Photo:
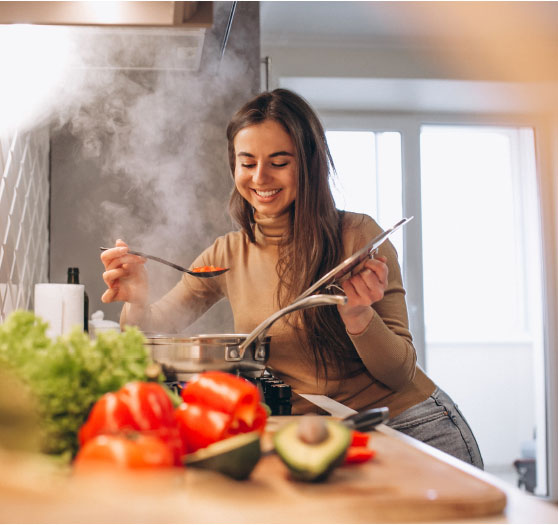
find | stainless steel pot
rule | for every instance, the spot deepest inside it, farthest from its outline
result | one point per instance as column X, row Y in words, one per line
column 182, row 357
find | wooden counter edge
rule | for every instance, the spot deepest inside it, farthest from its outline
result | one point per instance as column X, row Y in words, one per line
column 521, row 507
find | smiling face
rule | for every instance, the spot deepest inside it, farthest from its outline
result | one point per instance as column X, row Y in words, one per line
column 265, row 170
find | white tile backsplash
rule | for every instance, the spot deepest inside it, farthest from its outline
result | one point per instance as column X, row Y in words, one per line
column 24, row 216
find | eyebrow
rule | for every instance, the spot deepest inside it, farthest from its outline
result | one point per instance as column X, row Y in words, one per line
column 276, row 154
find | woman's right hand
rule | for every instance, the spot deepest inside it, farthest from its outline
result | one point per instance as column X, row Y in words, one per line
column 125, row 276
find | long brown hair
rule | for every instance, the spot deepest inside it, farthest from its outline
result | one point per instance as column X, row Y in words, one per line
column 313, row 244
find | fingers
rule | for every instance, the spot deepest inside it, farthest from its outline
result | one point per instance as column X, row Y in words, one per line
column 124, row 274
column 111, row 276
column 375, row 270
column 353, row 296
column 369, row 284
column 123, row 260
column 109, row 296
column 118, row 256
column 363, row 289
column 112, row 280
column 109, row 255
column 361, row 294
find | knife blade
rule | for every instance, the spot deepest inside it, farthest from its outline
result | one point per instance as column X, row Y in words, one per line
column 329, row 405
column 362, row 421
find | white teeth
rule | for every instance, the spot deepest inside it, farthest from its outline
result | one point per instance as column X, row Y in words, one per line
column 266, row 193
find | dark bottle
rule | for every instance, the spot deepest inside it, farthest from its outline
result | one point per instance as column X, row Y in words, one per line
column 73, row 278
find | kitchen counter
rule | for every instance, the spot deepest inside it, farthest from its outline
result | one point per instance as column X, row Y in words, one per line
column 406, row 482
column 520, row 506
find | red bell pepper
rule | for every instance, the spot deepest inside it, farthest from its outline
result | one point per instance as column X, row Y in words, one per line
column 137, row 406
column 109, row 415
column 359, row 439
column 226, row 393
column 359, row 455
column 257, row 425
column 135, row 451
column 200, row 426
column 149, row 405
column 218, row 405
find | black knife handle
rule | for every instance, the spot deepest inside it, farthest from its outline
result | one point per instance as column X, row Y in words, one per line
column 367, row 420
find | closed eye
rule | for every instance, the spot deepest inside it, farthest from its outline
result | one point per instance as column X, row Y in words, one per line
column 275, row 165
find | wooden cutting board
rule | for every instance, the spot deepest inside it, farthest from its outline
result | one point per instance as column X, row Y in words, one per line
column 402, row 484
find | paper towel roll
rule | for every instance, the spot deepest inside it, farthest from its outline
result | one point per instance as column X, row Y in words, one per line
column 61, row 305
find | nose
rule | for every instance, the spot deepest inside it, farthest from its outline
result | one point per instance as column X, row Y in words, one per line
column 260, row 174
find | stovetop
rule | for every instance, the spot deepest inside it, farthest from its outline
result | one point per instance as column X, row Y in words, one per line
column 275, row 393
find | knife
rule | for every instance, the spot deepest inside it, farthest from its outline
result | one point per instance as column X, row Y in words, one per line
column 362, row 421
column 335, row 408
column 367, row 420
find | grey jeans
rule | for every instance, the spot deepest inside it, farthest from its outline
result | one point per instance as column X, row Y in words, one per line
column 439, row 423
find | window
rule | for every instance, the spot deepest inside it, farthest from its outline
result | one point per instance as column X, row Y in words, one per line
column 482, row 284
column 368, row 166
column 475, row 269
column 475, row 263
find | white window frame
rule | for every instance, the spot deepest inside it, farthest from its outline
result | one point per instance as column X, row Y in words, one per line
column 546, row 148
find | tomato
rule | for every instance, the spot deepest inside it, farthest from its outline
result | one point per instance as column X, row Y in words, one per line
column 359, row 439
column 359, row 455
column 137, row 406
column 226, row 393
column 130, row 451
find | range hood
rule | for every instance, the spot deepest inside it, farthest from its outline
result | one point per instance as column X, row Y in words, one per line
column 100, row 13
column 123, row 35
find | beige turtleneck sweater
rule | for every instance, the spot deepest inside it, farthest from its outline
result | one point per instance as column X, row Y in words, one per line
column 382, row 367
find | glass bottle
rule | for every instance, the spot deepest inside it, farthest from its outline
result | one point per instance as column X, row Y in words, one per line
column 73, row 278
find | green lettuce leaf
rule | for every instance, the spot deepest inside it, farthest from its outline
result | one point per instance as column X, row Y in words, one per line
column 68, row 374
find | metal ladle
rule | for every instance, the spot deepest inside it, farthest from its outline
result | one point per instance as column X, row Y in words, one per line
column 176, row 266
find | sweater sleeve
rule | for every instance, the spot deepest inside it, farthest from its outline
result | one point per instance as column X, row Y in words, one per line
column 190, row 298
column 386, row 345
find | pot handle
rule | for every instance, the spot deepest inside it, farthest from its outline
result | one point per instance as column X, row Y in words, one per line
column 236, row 354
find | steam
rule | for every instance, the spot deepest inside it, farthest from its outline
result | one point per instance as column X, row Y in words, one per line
column 153, row 135
column 35, row 62
column 140, row 119
column 157, row 139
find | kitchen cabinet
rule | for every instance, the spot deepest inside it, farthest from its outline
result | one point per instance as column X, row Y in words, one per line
column 155, row 14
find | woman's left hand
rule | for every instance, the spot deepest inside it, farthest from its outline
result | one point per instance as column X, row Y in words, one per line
column 362, row 290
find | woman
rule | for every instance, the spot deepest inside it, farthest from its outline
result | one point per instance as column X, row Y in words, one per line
column 361, row 353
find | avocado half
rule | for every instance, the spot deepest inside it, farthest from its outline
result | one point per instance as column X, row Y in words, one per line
column 235, row 457
column 312, row 462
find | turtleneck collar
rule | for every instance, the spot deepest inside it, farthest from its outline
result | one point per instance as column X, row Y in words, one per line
column 270, row 230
